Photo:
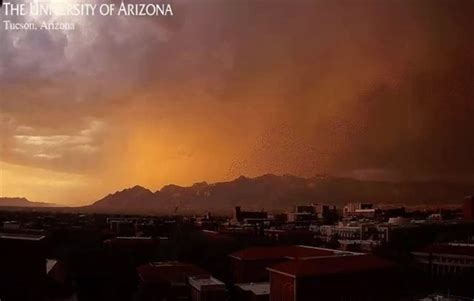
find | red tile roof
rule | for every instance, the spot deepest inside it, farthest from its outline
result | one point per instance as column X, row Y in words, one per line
column 331, row 265
column 447, row 250
column 168, row 272
column 280, row 252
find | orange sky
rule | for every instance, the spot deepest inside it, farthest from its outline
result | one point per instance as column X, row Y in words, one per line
column 376, row 89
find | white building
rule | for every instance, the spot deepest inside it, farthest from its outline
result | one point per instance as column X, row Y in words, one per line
column 207, row 288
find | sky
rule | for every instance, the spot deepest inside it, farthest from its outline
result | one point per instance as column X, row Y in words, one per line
column 367, row 89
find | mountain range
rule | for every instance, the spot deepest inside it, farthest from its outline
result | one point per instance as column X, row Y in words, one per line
column 21, row 202
column 272, row 192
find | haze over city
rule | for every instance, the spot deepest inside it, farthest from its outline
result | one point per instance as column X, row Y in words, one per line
column 381, row 90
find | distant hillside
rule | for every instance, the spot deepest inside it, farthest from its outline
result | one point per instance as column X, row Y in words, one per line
column 280, row 193
column 21, row 202
column 133, row 199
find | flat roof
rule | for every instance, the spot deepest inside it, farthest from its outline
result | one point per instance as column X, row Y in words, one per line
column 168, row 271
column 277, row 252
column 135, row 237
column 281, row 252
column 50, row 263
column 330, row 265
column 206, row 283
column 132, row 241
column 447, row 250
column 21, row 236
column 257, row 288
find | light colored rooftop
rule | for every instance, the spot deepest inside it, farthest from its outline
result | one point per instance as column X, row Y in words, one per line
column 50, row 263
column 437, row 297
column 166, row 263
column 135, row 237
column 206, row 283
column 257, row 288
column 20, row 236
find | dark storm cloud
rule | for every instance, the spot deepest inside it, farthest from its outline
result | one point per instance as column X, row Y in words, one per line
column 299, row 87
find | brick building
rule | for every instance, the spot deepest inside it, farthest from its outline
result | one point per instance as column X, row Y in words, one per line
column 250, row 265
column 340, row 278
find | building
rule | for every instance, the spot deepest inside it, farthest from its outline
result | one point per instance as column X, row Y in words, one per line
column 259, row 291
column 122, row 226
column 364, row 245
column 140, row 249
column 326, row 212
column 359, row 209
column 239, row 231
column 250, row 265
column 11, row 225
column 440, row 297
column 342, row 231
column 305, row 209
column 398, row 230
column 339, row 278
column 248, row 217
column 167, row 280
column 435, row 217
column 399, row 221
column 294, row 217
column 468, row 208
column 22, row 265
column 352, row 230
column 302, row 213
column 445, row 260
column 290, row 235
column 207, row 288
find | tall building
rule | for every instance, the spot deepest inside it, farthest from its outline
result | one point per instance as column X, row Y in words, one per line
column 22, row 265
column 359, row 209
column 248, row 216
column 468, row 208
column 302, row 213
column 305, row 209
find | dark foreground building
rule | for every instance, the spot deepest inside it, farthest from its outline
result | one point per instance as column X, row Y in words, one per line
column 468, row 208
column 250, row 264
column 167, row 280
column 359, row 277
column 23, row 267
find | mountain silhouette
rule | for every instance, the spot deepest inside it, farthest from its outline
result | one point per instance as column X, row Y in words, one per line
column 272, row 192
column 133, row 199
column 21, row 202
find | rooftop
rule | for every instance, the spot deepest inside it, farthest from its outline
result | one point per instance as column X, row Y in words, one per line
column 330, row 265
column 131, row 241
column 21, row 236
column 134, row 237
column 438, row 297
column 168, row 271
column 259, row 288
column 206, row 283
column 280, row 252
column 50, row 263
column 447, row 250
